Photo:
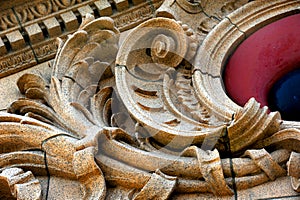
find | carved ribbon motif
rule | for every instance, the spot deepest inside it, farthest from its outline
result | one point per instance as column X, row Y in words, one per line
column 136, row 117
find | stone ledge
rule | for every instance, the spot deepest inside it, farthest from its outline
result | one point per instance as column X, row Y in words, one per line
column 32, row 28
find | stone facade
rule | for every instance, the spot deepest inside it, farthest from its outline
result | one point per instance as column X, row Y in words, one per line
column 125, row 100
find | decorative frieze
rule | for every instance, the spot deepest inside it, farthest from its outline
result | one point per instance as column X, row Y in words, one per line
column 31, row 24
column 133, row 17
column 45, row 50
column 17, row 61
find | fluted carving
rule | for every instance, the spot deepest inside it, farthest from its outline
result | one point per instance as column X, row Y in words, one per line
column 142, row 117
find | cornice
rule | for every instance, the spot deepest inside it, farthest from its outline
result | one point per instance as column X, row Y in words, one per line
column 28, row 31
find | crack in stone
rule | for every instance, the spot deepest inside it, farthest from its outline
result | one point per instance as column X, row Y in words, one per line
column 210, row 16
column 46, row 166
column 129, row 72
column 237, row 27
column 151, row 6
column 225, row 137
column 228, row 150
column 207, row 15
column 25, row 35
column 206, row 74
column 48, row 173
column 46, row 162
column 72, row 79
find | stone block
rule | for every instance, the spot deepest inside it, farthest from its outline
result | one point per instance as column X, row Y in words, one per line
column 2, row 47
column 35, row 33
column 103, row 7
column 52, row 26
column 135, row 2
column 121, row 4
column 85, row 10
column 70, row 21
column 16, row 40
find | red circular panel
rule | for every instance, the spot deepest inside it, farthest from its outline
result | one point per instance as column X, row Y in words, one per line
column 262, row 59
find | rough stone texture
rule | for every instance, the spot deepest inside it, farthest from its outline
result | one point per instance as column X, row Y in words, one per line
column 104, row 8
column 35, row 33
column 16, row 40
column 31, row 24
column 69, row 20
column 140, row 114
column 121, row 4
column 2, row 47
column 52, row 26
column 83, row 11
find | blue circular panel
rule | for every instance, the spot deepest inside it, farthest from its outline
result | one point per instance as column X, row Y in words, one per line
column 284, row 96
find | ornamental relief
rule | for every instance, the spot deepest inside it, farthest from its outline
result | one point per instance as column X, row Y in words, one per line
column 33, row 11
column 149, row 117
column 202, row 16
column 32, row 27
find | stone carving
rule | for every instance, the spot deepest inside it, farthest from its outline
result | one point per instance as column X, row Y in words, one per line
column 32, row 11
column 130, row 19
column 8, row 63
column 202, row 16
column 33, row 27
column 22, row 184
column 7, row 20
column 149, row 117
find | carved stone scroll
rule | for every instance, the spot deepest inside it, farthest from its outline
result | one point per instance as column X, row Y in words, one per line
column 149, row 119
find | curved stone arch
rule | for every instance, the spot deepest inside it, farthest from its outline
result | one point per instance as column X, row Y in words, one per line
column 222, row 41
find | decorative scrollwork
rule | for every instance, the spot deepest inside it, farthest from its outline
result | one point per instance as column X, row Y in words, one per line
column 32, row 11
column 143, row 117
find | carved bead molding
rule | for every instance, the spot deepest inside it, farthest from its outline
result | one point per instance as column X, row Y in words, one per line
column 148, row 119
column 28, row 30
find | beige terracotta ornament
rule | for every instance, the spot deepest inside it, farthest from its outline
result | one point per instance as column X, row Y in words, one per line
column 148, row 119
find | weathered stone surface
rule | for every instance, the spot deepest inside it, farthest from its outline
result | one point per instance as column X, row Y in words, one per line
column 16, row 40
column 104, row 8
column 13, row 93
column 38, row 21
column 121, row 4
column 83, row 11
column 140, row 114
column 52, row 26
column 70, row 21
column 35, row 33
column 2, row 47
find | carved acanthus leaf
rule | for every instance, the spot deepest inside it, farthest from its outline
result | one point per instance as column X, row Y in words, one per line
column 73, row 101
column 79, row 65
column 165, row 107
